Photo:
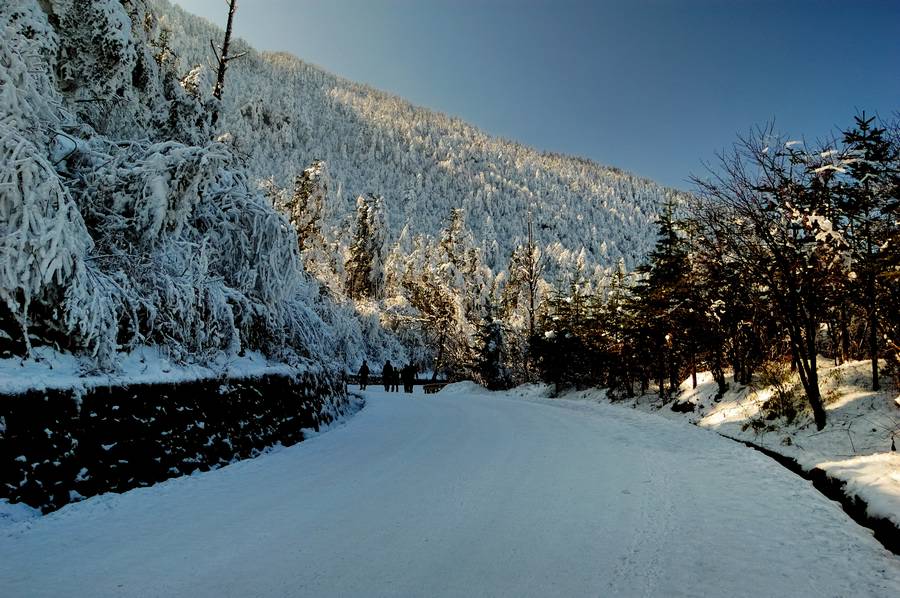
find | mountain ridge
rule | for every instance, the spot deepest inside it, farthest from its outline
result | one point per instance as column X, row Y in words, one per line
column 424, row 162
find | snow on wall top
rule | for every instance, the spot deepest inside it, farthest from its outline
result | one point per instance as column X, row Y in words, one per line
column 48, row 369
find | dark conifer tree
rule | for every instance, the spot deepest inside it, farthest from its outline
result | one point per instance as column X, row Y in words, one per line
column 365, row 266
column 874, row 183
column 489, row 357
column 662, row 298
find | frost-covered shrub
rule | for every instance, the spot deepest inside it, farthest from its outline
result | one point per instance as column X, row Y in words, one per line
column 115, row 70
column 29, row 100
column 43, row 238
column 42, row 234
column 208, row 265
column 96, row 53
column 116, row 229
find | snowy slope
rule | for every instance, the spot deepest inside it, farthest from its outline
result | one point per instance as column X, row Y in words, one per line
column 283, row 113
column 463, row 494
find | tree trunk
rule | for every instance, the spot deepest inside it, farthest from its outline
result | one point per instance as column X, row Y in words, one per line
column 804, row 357
column 872, row 305
column 833, row 336
column 440, row 356
column 694, row 371
column 223, row 61
column 845, row 333
column 718, row 374
column 873, row 330
column 661, row 375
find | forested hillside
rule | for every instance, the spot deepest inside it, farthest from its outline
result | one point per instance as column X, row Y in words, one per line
column 293, row 213
column 283, row 113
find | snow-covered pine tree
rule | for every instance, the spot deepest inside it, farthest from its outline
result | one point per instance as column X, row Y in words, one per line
column 366, row 265
column 378, row 229
column 306, row 205
column 490, row 361
column 359, row 264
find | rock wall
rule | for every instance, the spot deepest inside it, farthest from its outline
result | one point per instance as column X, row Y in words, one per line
column 58, row 446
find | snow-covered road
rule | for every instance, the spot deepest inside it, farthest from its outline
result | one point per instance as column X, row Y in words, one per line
column 458, row 494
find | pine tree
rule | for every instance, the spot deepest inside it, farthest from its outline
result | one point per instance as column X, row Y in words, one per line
column 526, row 268
column 453, row 244
column 359, row 265
column 378, row 229
column 489, row 357
column 663, row 296
column 306, row 205
column 872, row 165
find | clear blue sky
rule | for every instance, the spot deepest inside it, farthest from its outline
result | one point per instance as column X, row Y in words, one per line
column 652, row 86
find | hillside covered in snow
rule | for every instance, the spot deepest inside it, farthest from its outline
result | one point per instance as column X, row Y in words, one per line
column 284, row 113
column 302, row 216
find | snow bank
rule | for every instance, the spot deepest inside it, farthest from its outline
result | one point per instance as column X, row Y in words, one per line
column 875, row 479
column 16, row 514
column 49, row 369
column 466, row 387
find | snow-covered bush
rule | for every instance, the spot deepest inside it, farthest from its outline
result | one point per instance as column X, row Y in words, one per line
column 116, row 231
column 43, row 238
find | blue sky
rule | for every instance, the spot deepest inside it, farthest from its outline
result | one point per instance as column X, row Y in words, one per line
column 652, row 86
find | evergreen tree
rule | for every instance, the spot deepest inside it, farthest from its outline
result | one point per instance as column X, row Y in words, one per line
column 365, row 266
column 521, row 295
column 561, row 354
column 378, row 228
column 663, row 297
column 874, row 183
column 306, row 206
column 489, row 357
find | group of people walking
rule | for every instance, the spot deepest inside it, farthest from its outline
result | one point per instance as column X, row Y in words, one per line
column 390, row 376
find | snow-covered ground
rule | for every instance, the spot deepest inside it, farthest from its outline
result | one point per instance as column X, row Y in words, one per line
column 457, row 494
column 855, row 447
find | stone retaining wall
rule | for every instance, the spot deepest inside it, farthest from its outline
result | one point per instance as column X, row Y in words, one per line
column 57, row 446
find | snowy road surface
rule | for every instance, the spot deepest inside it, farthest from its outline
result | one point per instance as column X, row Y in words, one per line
column 464, row 495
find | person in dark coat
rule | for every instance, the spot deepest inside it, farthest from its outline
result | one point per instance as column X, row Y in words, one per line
column 409, row 377
column 364, row 375
column 387, row 375
column 395, row 381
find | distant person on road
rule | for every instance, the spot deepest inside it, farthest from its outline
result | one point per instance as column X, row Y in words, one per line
column 364, row 375
column 387, row 375
column 395, row 381
column 409, row 377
